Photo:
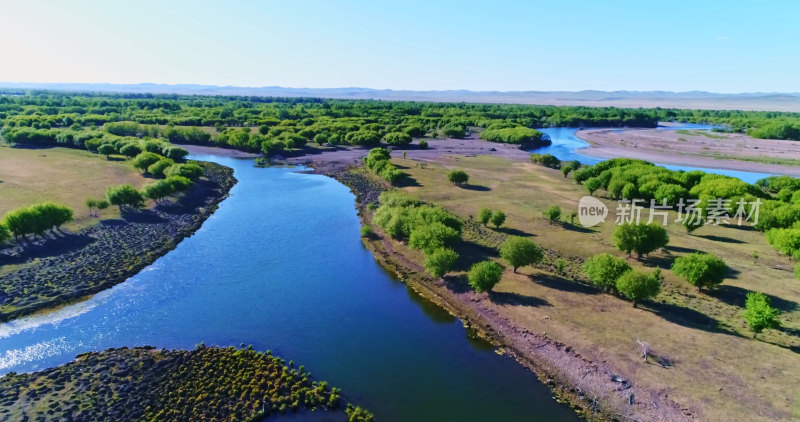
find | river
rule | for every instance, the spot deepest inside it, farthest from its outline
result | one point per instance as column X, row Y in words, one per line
column 281, row 266
column 566, row 147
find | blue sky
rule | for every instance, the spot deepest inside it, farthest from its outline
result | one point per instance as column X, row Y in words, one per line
column 719, row 46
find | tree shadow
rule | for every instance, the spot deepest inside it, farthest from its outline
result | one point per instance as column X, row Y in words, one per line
column 44, row 248
column 407, row 181
column 516, row 299
column 457, row 284
column 576, row 228
column 721, row 239
column 515, row 232
column 736, row 296
column 141, row 216
column 563, row 284
column 686, row 317
column 472, row 253
column 476, row 188
column 680, row 249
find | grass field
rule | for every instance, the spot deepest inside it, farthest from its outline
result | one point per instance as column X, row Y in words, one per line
column 63, row 175
column 719, row 369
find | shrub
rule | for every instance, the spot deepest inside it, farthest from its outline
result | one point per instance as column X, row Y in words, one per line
column 458, row 177
column 106, row 149
column 553, row 214
column 397, row 138
column 145, row 160
column 484, row 215
column 125, row 196
column 423, row 144
column 440, row 261
column 5, row 234
column 36, row 219
column 498, row 218
column 484, row 275
column 518, row 252
column 758, row 313
column 157, row 169
column 158, row 190
column 130, row 150
column 366, row 231
column 178, row 183
column 432, row 236
column 638, row 285
column 700, row 269
column 546, row 160
column 519, row 135
column 692, row 224
column 174, row 152
column 189, row 171
column 604, row 269
column 378, row 160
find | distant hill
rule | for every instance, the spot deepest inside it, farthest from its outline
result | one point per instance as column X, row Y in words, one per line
column 647, row 99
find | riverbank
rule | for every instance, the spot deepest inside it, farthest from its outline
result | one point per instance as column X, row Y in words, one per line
column 582, row 342
column 594, row 390
column 144, row 383
column 75, row 265
column 694, row 148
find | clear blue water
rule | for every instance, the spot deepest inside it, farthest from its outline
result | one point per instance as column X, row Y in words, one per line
column 566, row 147
column 281, row 266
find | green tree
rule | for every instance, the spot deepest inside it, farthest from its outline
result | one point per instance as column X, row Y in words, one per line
column 159, row 190
column 189, row 171
column 518, row 252
column 572, row 216
column 553, row 214
column 157, row 169
column 21, row 222
column 638, row 285
column 430, row 237
column 397, row 138
column 52, row 215
column 700, row 269
column 592, row 184
column 440, row 261
column 145, row 160
column 125, row 196
column 91, row 203
column 107, row 150
column 174, row 152
column 484, row 275
column 604, row 269
column 458, row 177
column 640, row 238
column 692, row 224
column 130, row 150
column 758, row 313
column 498, row 218
column 484, row 216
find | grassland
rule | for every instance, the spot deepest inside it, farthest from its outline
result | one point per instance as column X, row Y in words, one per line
column 63, row 175
column 720, row 372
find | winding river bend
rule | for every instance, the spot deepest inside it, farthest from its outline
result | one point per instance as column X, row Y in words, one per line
column 281, row 266
column 567, row 147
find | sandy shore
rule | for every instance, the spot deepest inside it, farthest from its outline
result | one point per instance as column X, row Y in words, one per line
column 714, row 150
